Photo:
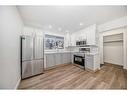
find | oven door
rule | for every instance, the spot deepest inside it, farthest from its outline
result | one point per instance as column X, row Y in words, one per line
column 79, row 60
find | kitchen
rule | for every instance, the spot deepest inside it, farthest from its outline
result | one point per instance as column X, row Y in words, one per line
column 73, row 50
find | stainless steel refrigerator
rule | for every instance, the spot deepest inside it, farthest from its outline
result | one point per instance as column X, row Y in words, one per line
column 32, row 56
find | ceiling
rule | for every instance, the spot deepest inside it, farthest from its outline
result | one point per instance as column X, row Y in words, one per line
column 69, row 18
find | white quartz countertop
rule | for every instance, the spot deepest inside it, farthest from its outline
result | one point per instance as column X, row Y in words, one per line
column 94, row 53
column 58, row 52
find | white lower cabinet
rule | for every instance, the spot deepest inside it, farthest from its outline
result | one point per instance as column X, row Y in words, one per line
column 66, row 58
column 89, row 61
column 54, row 59
column 50, row 60
column 92, row 62
column 58, row 58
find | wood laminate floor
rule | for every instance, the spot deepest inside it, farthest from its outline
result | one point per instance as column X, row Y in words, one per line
column 72, row 77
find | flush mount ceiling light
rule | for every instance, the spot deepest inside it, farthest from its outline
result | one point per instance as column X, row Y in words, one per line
column 67, row 31
column 59, row 29
column 80, row 23
column 50, row 26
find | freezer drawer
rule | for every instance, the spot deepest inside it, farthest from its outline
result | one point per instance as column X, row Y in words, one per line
column 26, row 69
column 37, row 67
column 31, row 68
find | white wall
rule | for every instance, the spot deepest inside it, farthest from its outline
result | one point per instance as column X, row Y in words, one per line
column 110, row 28
column 117, row 47
column 10, row 29
column 55, row 33
column 114, row 24
column 31, row 31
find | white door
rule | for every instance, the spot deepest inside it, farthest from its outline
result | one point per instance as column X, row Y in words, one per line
column 26, row 69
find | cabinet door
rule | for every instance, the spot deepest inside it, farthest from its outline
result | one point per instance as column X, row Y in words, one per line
column 64, row 58
column 72, row 58
column 26, row 69
column 67, row 40
column 82, row 35
column 73, row 40
column 91, row 35
column 50, row 60
column 89, row 61
column 37, row 66
column 58, row 59
column 96, row 62
column 68, row 58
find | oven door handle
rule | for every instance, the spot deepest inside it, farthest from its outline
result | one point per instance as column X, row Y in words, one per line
column 78, row 56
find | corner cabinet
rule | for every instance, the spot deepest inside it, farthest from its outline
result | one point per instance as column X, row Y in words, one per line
column 92, row 62
column 67, row 39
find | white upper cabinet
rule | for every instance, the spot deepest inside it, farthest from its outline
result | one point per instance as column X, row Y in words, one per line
column 89, row 34
column 67, row 39
column 73, row 39
column 81, row 35
column 92, row 35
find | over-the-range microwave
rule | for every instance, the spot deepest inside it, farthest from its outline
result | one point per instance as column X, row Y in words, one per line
column 81, row 43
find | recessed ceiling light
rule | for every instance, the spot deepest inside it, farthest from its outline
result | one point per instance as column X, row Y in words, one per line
column 59, row 29
column 81, row 24
column 50, row 26
column 67, row 31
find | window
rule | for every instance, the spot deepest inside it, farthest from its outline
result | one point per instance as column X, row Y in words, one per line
column 54, row 42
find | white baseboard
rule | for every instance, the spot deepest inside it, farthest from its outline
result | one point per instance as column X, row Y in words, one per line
column 17, row 84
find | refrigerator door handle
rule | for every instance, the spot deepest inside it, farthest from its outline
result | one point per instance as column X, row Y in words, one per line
column 34, row 48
